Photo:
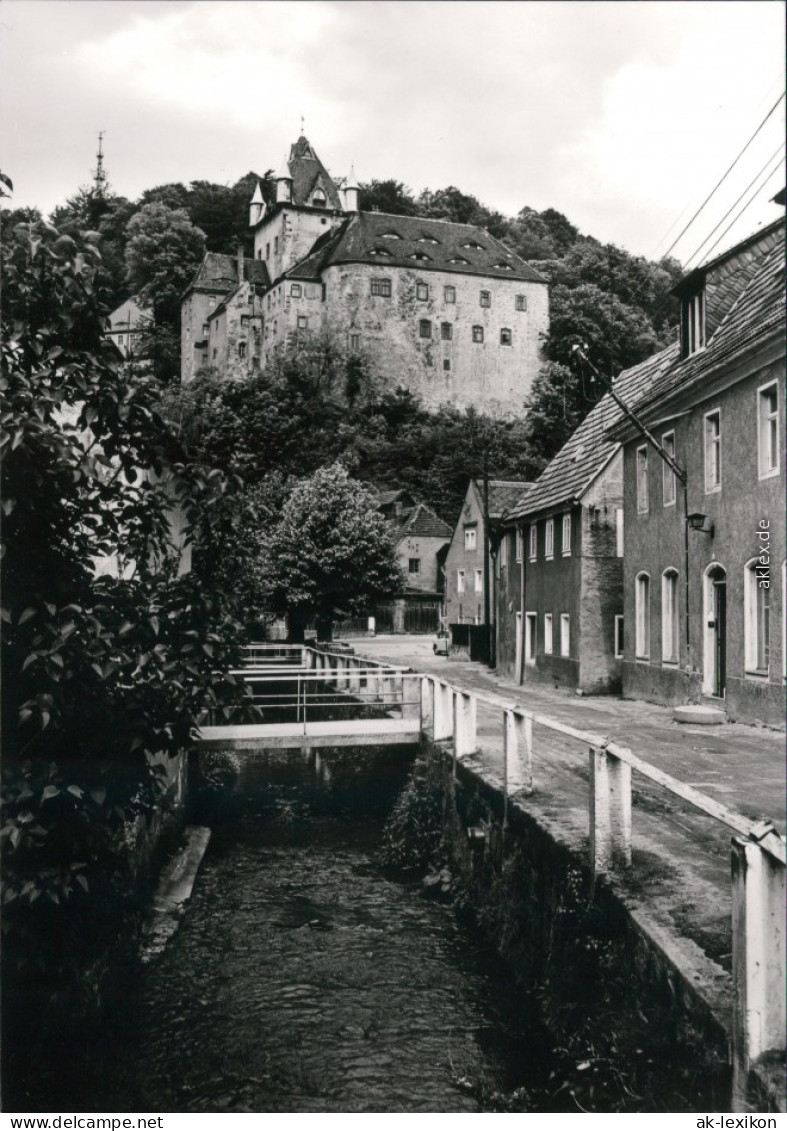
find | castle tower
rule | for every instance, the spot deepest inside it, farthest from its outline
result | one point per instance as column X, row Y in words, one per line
column 284, row 184
column 351, row 193
column 256, row 207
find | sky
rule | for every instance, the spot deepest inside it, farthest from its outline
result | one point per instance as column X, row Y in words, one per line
column 621, row 115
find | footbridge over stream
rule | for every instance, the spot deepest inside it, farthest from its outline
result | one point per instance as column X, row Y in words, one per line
column 312, row 697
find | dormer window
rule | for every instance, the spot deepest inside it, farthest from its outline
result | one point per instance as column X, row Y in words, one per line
column 318, row 198
column 426, row 239
column 458, row 259
column 692, row 326
column 503, row 267
column 383, row 251
column 419, row 255
column 474, row 245
column 391, row 236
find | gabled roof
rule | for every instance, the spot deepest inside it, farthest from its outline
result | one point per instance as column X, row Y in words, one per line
column 424, row 523
column 308, row 172
column 388, row 498
column 503, row 493
column 758, row 313
column 584, row 455
column 416, row 242
column 219, row 273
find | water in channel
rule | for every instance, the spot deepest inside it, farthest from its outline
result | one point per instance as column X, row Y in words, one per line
column 305, row 979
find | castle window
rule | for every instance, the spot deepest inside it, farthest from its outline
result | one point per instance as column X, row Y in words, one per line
column 446, row 331
column 355, row 341
column 449, row 294
column 478, row 333
column 276, row 245
column 422, row 291
column 303, row 322
column 323, row 292
column 295, row 290
column 485, row 298
column 244, row 319
column 241, row 349
column 505, row 337
column 425, row 328
column 215, row 353
column 267, row 250
column 520, row 302
column 206, row 327
column 381, row 287
column 446, row 364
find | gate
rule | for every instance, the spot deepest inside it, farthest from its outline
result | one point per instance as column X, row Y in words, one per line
column 423, row 618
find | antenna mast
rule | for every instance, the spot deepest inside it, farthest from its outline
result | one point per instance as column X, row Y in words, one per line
column 100, row 178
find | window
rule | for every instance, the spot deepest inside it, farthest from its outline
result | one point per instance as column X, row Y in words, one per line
column 669, row 616
column 267, row 251
column 768, row 430
column 503, row 552
column 422, row 291
column 355, row 341
column 549, row 538
column 446, row 331
column 259, row 253
column 565, row 634
column 419, row 255
column 215, row 353
column 318, row 198
column 486, row 298
column 449, row 294
column 693, row 323
column 530, row 637
column 323, row 292
column 391, row 236
column 668, row 480
column 712, row 451
column 566, row 543
column 618, row 644
column 206, row 327
column 548, row 634
column 470, row 538
column 295, row 290
column 478, row 333
column 427, row 239
column 241, row 349
column 532, row 542
column 619, row 531
column 642, row 480
column 520, row 302
column 276, row 245
column 244, row 320
column 520, row 538
column 425, row 328
column 757, row 619
column 460, row 581
column 642, row 611
column 381, row 287
column 479, row 581
column 414, row 565
column 446, row 363
column 303, row 322
column 505, row 337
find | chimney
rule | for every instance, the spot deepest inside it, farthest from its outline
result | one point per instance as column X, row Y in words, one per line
column 240, row 263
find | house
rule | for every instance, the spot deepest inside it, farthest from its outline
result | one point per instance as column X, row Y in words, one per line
column 422, row 540
column 126, row 326
column 221, row 316
column 464, row 566
column 704, row 583
column 560, row 561
column 444, row 309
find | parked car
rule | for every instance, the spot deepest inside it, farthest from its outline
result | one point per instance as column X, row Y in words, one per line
column 440, row 646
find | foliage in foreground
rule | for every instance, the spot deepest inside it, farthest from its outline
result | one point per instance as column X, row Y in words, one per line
column 110, row 652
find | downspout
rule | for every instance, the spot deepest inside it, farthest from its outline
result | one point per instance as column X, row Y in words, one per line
column 520, row 675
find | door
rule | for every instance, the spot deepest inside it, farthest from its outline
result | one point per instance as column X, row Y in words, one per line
column 720, row 636
column 518, row 657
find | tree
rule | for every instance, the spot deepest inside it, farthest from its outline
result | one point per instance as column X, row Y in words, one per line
column 330, row 554
column 615, row 334
column 102, row 671
column 388, row 196
column 163, row 251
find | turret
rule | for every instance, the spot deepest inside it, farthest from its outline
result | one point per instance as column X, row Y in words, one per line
column 350, row 192
column 284, row 183
column 256, row 207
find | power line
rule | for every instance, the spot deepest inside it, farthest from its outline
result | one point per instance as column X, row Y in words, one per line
column 724, row 177
column 746, row 205
column 735, row 204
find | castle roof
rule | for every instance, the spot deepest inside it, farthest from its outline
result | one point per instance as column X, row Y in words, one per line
column 308, row 173
column 219, row 273
column 385, row 240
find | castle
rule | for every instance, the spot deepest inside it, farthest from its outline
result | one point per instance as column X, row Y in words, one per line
column 441, row 308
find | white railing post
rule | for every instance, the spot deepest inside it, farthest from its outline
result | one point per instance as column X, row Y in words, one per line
column 427, row 705
column 758, row 959
column 341, row 672
column 610, row 812
column 443, row 712
column 354, row 679
column 307, row 657
column 518, row 752
column 464, row 724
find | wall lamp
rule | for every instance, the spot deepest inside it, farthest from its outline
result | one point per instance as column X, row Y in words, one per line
column 696, row 522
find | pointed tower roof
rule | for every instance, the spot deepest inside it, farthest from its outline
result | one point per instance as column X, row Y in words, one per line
column 352, row 180
column 307, row 173
column 258, row 197
column 284, row 173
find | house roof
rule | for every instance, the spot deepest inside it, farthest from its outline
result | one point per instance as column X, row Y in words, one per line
column 386, row 498
column 587, row 451
column 424, row 523
column 503, row 493
column 219, row 273
column 385, row 241
column 758, row 312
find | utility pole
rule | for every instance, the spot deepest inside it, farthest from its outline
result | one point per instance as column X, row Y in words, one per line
column 487, row 603
column 676, row 469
